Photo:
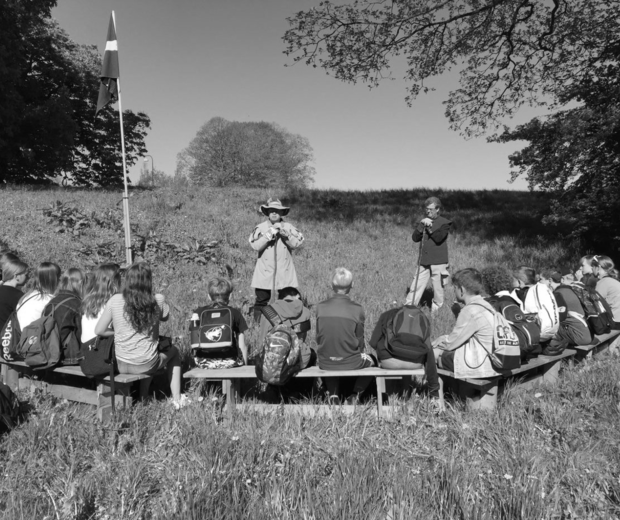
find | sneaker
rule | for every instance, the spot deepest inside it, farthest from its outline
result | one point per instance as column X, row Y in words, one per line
column 352, row 400
column 182, row 402
column 436, row 406
column 334, row 400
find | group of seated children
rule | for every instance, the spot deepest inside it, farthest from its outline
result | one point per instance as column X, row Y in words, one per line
column 546, row 312
column 85, row 307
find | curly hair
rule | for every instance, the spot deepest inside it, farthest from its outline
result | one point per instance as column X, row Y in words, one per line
column 141, row 309
column 104, row 283
column 496, row 278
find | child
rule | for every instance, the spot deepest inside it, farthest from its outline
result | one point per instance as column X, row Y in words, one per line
column 32, row 304
column 237, row 354
column 14, row 276
column 104, row 283
column 135, row 315
column 66, row 306
column 290, row 308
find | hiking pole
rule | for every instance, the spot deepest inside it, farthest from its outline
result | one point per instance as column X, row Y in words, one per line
column 417, row 272
column 272, row 298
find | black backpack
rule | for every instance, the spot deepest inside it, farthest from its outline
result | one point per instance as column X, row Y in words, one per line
column 598, row 314
column 525, row 326
column 10, row 415
column 408, row 332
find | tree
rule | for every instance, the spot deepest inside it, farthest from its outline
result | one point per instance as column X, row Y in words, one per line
column 47, row 105
column 575, row 155
column 225, row 153
column 509, row 52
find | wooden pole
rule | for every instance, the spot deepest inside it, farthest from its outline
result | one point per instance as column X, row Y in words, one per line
column 128, row 255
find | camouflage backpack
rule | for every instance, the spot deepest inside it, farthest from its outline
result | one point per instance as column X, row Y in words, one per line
column 280, row 356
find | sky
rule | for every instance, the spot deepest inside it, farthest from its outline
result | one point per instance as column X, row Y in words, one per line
column 187, row 61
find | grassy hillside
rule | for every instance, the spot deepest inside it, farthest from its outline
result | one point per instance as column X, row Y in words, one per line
column 552, row 453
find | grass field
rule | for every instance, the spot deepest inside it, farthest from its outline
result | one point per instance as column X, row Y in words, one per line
column 552, row 453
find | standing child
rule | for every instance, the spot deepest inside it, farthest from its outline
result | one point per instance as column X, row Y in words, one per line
column 274, row 240
column 232, row 350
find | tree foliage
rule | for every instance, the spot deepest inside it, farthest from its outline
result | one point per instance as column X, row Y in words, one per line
column 47, row 105
column 509, row 52
column 575, row 154
column 253, row 154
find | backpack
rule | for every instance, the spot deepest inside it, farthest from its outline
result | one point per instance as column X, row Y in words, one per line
column 40, row 345
column 505, row 353
column 10, row 336
column 524, row 325
column 407, row 334
column 211, row 329
column 280, row 356
column 539, row 299
column 598, row 315
column 9, row 409
column 98, row 357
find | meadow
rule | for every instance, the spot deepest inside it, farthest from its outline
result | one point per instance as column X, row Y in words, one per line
column 552, row 453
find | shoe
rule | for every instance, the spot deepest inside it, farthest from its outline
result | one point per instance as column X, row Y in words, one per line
column 435, row 406
column 333, row 400
column 182, row 402
column 352, row 400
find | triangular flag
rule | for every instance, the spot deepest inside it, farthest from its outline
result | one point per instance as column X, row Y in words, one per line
column 108, row 92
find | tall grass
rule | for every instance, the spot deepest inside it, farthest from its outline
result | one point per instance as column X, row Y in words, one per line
column 549, row 453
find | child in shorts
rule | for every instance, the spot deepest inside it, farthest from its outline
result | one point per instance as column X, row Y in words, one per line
column 237, row 354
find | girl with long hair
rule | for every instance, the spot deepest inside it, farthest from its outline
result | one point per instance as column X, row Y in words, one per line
column 66, row 305
column 102, row 284
column 32, row 304
column 14, row 276
column 607, row 283
column 135, row 315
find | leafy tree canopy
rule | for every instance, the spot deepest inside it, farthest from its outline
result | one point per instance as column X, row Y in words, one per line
column 509, row 52
column 253, row 154
column 575, row 154
column 47, row 105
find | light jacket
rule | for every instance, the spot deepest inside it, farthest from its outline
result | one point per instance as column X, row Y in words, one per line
column 472, row 341
column 267, row 252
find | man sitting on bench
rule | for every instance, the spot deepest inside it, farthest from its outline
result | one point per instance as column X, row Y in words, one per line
column 465, row 351
column 340, row 335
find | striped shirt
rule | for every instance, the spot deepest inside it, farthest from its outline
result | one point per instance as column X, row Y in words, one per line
column 131, row 346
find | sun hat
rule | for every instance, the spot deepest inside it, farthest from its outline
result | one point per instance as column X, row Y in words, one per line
column 274, row 204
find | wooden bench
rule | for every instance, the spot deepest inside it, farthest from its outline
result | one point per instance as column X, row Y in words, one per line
column 231, row 379
column 481, row 394
column 599, row 344
column 101, row 397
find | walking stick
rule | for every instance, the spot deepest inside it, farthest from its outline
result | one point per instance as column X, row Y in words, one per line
column 417, row 272
column 272, row 298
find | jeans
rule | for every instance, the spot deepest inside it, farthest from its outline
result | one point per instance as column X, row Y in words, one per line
column 430, row 369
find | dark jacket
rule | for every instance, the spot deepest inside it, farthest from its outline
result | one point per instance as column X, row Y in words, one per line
column 68, row 316
column 340, row 333
column 435, row 246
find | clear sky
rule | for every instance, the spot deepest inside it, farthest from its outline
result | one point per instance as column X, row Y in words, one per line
column 186, row 61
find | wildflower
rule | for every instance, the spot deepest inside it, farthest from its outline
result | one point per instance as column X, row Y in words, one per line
column 507, row 476
column 235, row 438
column 538, row 394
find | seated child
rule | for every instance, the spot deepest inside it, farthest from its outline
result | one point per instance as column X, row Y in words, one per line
column 290, row 308
column 231, row 356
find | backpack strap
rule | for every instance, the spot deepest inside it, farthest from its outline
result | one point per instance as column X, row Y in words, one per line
column 272, row 316
column 61, row 304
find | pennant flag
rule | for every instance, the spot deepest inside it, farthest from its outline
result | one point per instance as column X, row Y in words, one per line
column 108, row 92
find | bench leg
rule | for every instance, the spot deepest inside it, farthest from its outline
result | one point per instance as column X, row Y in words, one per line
column 486, row 400
column 230, row 388
column 551, row 373
column 122, row 398
column 10, row 377
column 380, row 391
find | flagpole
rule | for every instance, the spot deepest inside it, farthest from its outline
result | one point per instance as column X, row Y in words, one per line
column 126, row 192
